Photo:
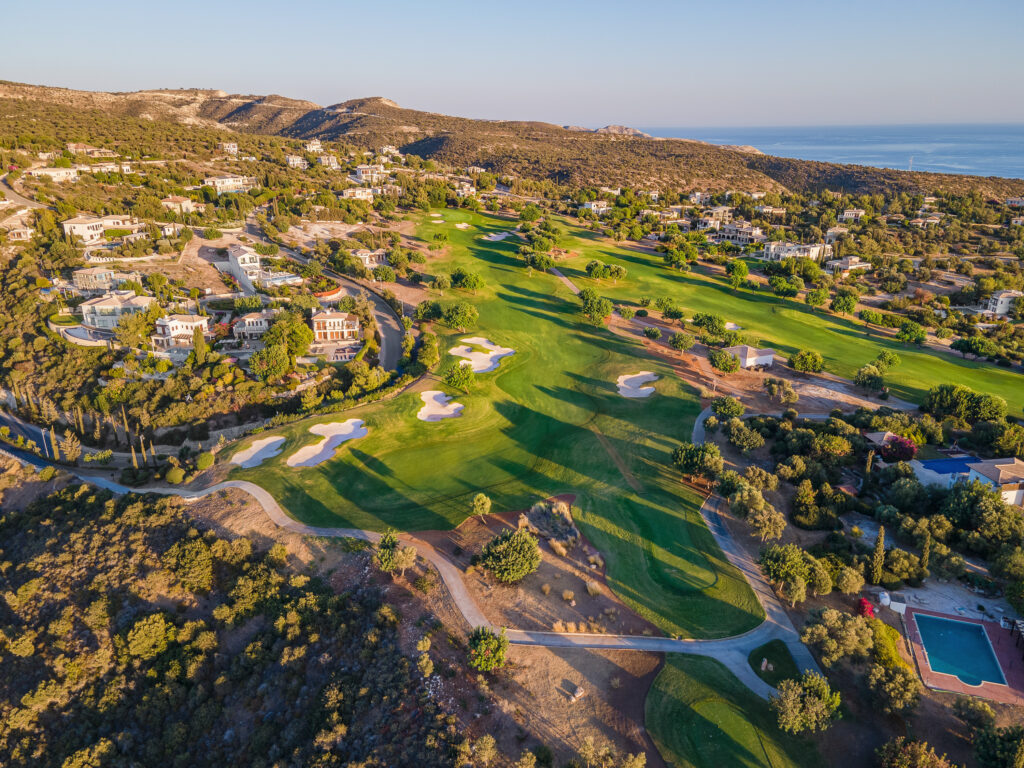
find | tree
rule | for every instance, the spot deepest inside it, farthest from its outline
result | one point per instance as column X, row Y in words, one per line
column 652, row 332
column 767, row 522
column 807, row 361
column 485, row 750
column 481, row 505
column 487, row 649
column 71, row 447
column 878, row 557
column 807, row 704
column 780, row 390
column 460, row 377
column 895, row 688
column 382, row 273
column 511, row 556
column 723, row 361
column 441, row 283
column 816, row 297
column 870, row 378
column 271, row 362
column 912, row 333
column 727, row 407
column 149, row 637
column 850, row 581
column 737, row 270
column 698, row 460
column 903, row 753
column 886, row 359
column 290, row 330
column 680, row 341
column 838, row 635
column 390, row 557
column 595, row 307
column 1000, row 747
column 460, row 316
column 843, row 303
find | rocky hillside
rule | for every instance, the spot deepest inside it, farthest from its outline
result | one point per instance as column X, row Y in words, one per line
column 614, row 155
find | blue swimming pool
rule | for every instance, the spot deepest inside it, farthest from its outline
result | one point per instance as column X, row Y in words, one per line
column 959, row 648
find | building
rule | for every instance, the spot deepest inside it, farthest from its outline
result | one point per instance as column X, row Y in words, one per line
column 597, row 207
column 101, row 279
column 370, row 174
column 335, row 336
column 852, row 214
column 330, row 161
column 1017, row 221
column 178, row 330
column 228, row 147
column 770, row 211
column 464, row 189
column 777, row 251
column 90, row 229
column 77, row 148
column 58, row 175
column 358, row 193
column 943, row 472
column 834, row 233
column 371, row 259
column 296, row 161
column 178, row 204
column 752, row 357
column 253, row 325
column 700, row 198
column 722, row 213
column 1015, row 202
column 389, row 149
column 20, row 234
column 739, row 233
column 245, row 266
column 846, row 265
column 706, row 222
column 1001, row 303
column 314, row 146
column 1004, row 475
column 230, row 183
column 107, row 310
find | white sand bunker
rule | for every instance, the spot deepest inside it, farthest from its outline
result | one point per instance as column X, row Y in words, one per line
column 462, row 225
column 437, row 405
column 632, row 385
column 435, row 213
column 336, row 433
column 258, row 452
column 732, row 327
column 482, row 362
column 495, row 237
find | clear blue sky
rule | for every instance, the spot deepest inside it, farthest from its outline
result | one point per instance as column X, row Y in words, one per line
column 655, row 63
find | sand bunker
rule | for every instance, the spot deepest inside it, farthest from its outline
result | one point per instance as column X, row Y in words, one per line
column 336, row 433
column 632, row 385
column 495, row 237
column 435, row 213
column 462, row 225
column 732, row 327
column 437, row 405
column 482, row 362
column 258, row 452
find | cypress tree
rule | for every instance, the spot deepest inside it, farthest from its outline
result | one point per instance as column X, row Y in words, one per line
column 878, row 558
column 926, row 551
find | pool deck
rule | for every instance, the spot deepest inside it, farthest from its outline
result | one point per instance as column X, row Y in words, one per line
column 1007, row 653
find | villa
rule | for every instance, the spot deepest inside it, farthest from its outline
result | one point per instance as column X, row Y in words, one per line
column 101, row 279
column 1003, row 475
column 834, row 233
column 739, row 233
column 1001, row 303
column 180, row 204
column 846, row 265
column 357, row 193
column 296, row 161
column 597, row 207
column 20, row 234
column 1015, row 202
column 228, row 147
column 107, row 310
column 314, row 146
column 777, row 251
column 700, row 198
column 336, row 335
column 57, row 175
column 752, row 357
column 178, row 330
column 253, row 325
column 245, row 266
column 370, row 174
column 230, row 183
column 464, row 189
column 371, row 259
column 852, row 214
column 90, row 229
column 330, row 161
column 770, row 210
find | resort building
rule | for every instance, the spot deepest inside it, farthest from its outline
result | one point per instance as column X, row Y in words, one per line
column 230, row 183
column 253, row 325
column 777, row 251
column 1004, row 475
column 101, row 279
column 1001, row 303
column 752, row 357
column 106, row 311
column 846, row 265
column 178, row 330
column 739, row 233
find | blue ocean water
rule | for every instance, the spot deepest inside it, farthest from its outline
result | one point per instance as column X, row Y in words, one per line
column 981, row 150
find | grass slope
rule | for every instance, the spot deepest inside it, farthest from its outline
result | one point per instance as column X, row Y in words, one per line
column 701, row 716
column 549, row 420
column 779, row 657
column 785, row 324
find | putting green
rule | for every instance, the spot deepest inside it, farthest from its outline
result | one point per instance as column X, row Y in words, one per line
column 549, row 420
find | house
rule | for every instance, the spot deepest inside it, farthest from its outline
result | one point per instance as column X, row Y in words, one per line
column 57, row 175
column 296, row 161
column 90, row 229
column 739, row 233
column 107, row 310
column 389, row 149
column 314, row 146
column 846, row 265
column 852, row 214
column 1001, row 303
column 700, row 198
column 179, row 204
column 77, row 148
column 335, row 335
column 330, row 161
column 751, row 357
column 834, row 233
column 228, row 147
column 371, row 259
column 178, row 330
column 230, row 183
column 706, row 222
column 770, row 211
column 653, row 194
column 370, row 174
column 464, row 189
column 942, row 472
column 20, row 234
column 757, row 195
column 253, row 325
column 597, row 207
column 244, row 265
column 721, row 213
column 1004, row 475
column 1015, row 202
column 357, row 193
column 101, row 279
column 777, row 251
column 879, row 439
column 1017, row 221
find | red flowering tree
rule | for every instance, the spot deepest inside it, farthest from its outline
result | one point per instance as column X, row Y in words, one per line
column 865, row 608
column 898, row 448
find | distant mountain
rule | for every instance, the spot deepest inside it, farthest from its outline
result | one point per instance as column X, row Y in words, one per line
column 612, row 156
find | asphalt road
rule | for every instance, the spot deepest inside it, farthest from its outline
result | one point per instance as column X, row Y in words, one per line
column 10, row 194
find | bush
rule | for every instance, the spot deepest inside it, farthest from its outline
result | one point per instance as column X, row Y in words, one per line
column 652, row 333
column 174, row 475
column 808, row 361
column 511, row 555
column 901, row 753
column 807, row 704
column 975, row 712
column 895, row 688
column 204, row 461
column 487, row 649
column 885, row 651
column 568, row 595
column 727, row 407
column 723, row 361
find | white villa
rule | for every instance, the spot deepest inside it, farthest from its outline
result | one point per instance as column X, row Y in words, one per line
column 90, row 229
column 777, row 251
column 229, row 147
column 852, row 214
column 1001, row 303
column 751, row 357
column 370, row 174
column 330, row 161
column 700, row 198
column 335, row 335
column 357, row 193
column 223, row 185
column 597, row 207
column 106, row 311
column 846, row 265
column 1004, row 475
column 178, row 330
column 253, row 325
column 371, row 259
column 314, row 146
column 739, row 233
column 54, row 174
column 1015, row 202
column 296, row 161
column 464, row 189
column 180, row 204
column 770, row 210
column 101, row 279
column 834, row 233
column 244, row 265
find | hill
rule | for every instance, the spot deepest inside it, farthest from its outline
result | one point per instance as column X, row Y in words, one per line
column 614, row 155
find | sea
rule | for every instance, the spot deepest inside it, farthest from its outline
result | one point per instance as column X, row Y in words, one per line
column 979, row 150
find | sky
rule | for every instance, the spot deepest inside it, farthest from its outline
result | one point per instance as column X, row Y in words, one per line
column 654, row 64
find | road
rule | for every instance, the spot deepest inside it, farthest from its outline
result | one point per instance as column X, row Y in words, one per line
column 10, row 194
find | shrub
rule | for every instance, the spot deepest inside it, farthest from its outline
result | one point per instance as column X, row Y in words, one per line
column 593, row 588
column 808, row 361
column 174, row 475
column 723, row 361
column 652, row 333
column 546, row 589
column 975, row 712
column 487, row 649
column 895, row 688
column 885, row 650
column 902, row 753
column 511, row 555
column 204, row 461
column 558, row 547
column 727, row 407
column 568, row 595
column 807, row 704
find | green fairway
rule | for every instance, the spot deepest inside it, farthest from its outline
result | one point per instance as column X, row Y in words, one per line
column 701, row 716
column 549, row 420
column 785, row 324
column 778, row 655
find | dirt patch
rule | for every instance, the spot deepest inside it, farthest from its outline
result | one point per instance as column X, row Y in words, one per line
column 20, row 485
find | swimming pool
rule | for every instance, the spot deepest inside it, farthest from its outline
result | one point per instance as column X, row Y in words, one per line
column 959, row 648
